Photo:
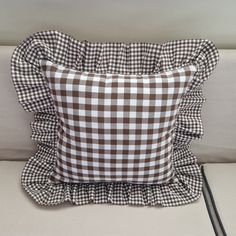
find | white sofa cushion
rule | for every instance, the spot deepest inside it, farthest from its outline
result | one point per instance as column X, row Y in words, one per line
column 221, row 179
column 20, row 216
column 15, row 140
column 219, row 112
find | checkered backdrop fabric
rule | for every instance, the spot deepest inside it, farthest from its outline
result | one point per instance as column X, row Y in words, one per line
column 121, row 58
column 115, row 127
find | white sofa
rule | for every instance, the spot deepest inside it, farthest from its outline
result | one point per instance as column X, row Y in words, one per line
column 213, row 214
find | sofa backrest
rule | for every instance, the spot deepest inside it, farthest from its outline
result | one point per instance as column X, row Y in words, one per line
column 15, row 142
column 219, row 114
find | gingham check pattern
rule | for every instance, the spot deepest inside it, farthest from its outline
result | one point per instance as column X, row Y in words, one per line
column 117, row 58
column 115, row 127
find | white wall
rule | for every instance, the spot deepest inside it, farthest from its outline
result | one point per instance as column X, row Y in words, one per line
column 121, row 20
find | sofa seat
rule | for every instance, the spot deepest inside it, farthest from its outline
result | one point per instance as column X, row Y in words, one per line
column 222, row 182
column 22, row 217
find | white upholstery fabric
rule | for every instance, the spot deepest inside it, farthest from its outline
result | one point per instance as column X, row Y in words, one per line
column 120, row 20
column 20, row 216
column 222, row 178
column 15, row 132
column 219, row 114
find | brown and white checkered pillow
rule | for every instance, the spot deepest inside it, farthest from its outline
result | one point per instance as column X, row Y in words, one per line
column 115, row 128
column 113, row 58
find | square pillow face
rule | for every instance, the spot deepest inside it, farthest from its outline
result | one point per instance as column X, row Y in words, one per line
column 115, row 128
